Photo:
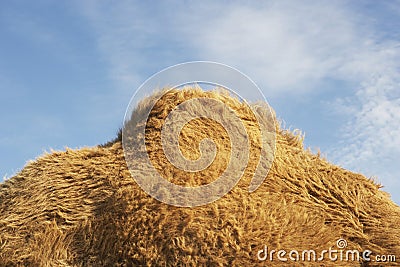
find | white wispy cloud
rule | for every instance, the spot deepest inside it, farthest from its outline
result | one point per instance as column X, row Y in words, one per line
column 286, row 48
column 370, row 141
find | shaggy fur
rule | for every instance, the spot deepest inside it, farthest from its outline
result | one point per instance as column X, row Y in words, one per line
column 82, row 207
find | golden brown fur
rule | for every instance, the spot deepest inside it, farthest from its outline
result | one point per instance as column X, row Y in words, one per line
column 82, row 208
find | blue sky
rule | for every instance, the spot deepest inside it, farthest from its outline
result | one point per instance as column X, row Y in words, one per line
column 331, row 69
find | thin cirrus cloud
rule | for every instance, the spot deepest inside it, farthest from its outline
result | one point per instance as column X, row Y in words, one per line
column 284, row 51
column 371, row 144
column 287, row 48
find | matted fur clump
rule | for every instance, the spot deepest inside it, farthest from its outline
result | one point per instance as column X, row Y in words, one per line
column 82, row 207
